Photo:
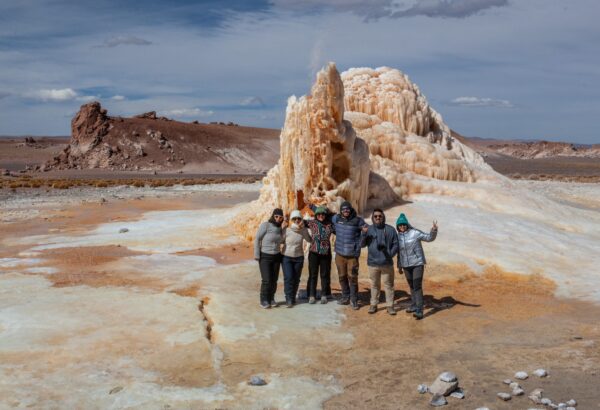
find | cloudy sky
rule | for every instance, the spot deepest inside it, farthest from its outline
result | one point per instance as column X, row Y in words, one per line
column 492, row 68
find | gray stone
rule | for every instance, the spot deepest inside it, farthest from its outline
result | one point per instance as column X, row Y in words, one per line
column 514, row 385
column 521, row 375
column 562, row 406
column 571, row 408
column 540, row 373
column 546, row 401
column 448, row 377
column 123, row 230
column 504, row 396
column 536, row 396
column 458, row 393
column 442, row 387
column 438, row 400
column 257, row 381
column 572, row 403
column 518, row 392
column 422, row 388
column 507, row 381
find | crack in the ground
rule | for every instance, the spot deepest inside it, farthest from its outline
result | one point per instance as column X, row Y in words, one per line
column 209, row 323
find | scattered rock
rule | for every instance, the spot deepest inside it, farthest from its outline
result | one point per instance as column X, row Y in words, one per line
column 514, row 385
column 123, row 230
column 482, row 408
column 150, row 115
column 546, row 401
column 29, row 141
column 577, row 338
column 422, row 388
column 447, row 377
column 504, row 396
column 257, row 381
column 458, row 393
column 438, row 400
column 442, row 387
column 562, row 406
column 572, row 403
column 507, row 381
column 115, row 390
column 571, row 408
column 536, row 396
column 518, row 392
column 540, row 373
column 521, row 375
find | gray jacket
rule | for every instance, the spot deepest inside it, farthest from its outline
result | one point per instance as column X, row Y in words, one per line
column 268, row 239
column 410, row 251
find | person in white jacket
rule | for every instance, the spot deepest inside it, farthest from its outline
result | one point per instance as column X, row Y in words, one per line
column 294, row 236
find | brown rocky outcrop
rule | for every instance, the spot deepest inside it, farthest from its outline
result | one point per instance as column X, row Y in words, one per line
column 88, row 127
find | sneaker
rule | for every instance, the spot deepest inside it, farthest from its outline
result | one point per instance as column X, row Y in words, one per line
column 410, row 309
column 343, row 301
column 323, row 300
column 312, row 300
column 372, row 309
column 274, row 304
column 289, row 304
column 354, row 305
column 265, row 305
column 391, row 310
column 418, row 314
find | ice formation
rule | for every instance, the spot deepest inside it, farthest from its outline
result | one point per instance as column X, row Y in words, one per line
column 360, row 137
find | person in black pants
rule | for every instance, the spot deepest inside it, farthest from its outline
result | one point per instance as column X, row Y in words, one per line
column 267, row 251
column 319, row 257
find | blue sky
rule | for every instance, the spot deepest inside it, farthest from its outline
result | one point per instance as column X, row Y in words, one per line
column 492, row 68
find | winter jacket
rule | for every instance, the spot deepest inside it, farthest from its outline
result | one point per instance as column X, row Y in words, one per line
column 348, row 234
column 382, row 243
column 410, row 251
column 269, row 238
column 293, row 240
column 321, row 236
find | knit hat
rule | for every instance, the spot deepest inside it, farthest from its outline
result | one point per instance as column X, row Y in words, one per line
column 320, row 210
column 402, row 220
column 295, row 214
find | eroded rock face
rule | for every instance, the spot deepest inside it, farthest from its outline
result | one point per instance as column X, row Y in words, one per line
column 88, row 127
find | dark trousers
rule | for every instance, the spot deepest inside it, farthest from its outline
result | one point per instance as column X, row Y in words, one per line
column 414, row 277
column 319, row 263
column 292, row 270
column 269, row 273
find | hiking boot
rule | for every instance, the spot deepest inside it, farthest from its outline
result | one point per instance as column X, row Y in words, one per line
column 411, row 309
column 323, row 300
column 274, row 304
column 343, row 301
column 354, row 304
column 391, row 310
column 418, row 314
column 289, row 304
column 312, row 300
column 265, row 305
column 372, row 309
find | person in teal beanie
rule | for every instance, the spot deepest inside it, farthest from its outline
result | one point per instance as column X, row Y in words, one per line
column 411, row 260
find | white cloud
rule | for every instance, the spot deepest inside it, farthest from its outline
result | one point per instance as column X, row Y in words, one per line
column 448, row 8
column 124, row 40
column 481, row 102
column 253, row 102
column 61, row 94
column 4, row 94
column 87, row 98
column 117, row 97
column 187, row 112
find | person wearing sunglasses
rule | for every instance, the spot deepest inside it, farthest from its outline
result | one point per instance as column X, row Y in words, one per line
column 319, row 255
column 294, row 236
column 381, row 241
column 411, row 260
column 267, row 251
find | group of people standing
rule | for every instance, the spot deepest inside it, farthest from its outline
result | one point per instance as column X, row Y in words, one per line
column 279, row 242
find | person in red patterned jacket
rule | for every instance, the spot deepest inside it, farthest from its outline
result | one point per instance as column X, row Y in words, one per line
column 319, row 256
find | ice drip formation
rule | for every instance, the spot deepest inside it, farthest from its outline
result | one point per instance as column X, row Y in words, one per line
column 361, row 136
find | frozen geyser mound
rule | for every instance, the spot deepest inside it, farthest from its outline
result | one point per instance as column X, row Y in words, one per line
column 404, row 134
column 368, row 137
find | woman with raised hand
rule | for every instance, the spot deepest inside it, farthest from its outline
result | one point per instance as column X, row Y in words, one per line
column 319, row 256
column 294, row 236
column 411, row 260
column 267, row 251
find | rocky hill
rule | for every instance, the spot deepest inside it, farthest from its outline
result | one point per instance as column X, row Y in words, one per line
column 147, row 142
column 534, row 149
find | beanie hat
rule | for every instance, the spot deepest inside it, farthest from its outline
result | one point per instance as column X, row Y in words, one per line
column 402, row 220
column 320, row 210
column 345, row 204
column 295, row 214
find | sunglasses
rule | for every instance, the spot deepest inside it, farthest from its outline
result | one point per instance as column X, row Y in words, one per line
column 318, row 215
column 296, row 219
column 377, row 216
